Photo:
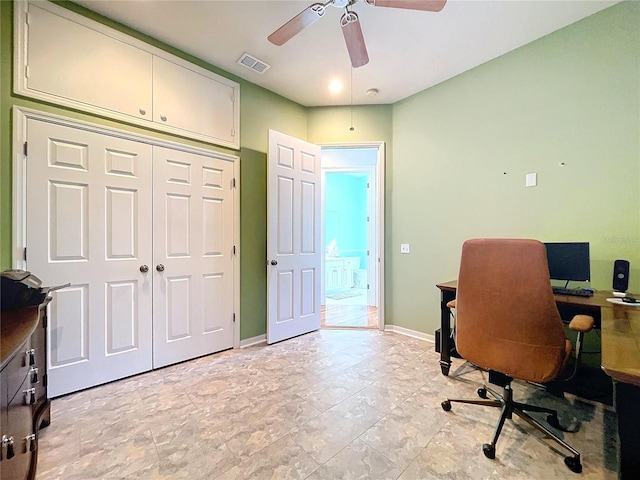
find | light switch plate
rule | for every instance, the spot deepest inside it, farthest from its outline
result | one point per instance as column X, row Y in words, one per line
column 531, row 180
column 404, row 248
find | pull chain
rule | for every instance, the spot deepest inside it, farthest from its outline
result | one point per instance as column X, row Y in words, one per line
column 351, row 128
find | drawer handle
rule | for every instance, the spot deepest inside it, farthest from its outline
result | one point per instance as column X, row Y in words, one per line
column 31, row 355
column 30, row 396
column 31, row 442
column 34, row 374
column 8, row 441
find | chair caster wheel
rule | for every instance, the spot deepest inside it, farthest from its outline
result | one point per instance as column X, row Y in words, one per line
column 553, row 421
column 489, row 451
column 446, row 405
column 482, row 392
column 574, row 464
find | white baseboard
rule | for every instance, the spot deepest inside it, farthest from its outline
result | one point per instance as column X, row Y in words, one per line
column 250, row 342
column 410, row 333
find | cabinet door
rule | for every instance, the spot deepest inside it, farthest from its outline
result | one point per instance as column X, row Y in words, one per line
column 192, row 101
column 78, row 64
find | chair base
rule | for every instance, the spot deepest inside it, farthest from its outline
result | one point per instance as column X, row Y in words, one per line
column 510, row 407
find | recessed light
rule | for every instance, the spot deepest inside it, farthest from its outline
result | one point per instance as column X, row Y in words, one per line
column 335, row 85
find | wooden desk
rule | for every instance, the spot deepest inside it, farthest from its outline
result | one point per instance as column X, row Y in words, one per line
column 621, row 361
column 620, row 329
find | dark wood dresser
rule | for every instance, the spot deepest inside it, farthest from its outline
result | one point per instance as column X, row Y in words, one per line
column 24, row 405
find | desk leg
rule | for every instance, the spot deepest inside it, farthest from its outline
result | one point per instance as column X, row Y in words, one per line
column 627, row 403
column 445, row 330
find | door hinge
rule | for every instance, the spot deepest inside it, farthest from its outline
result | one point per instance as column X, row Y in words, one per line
column 26, row 71
column 368, row 184
column 45, row 322
column 234, row 249
column 234, row 318
column 45, row 380
column 24, row 254
column 368, row 286
column 367, row 219
column 233, row 132
column 25, row 148
column 233, row 182
column 368, row 253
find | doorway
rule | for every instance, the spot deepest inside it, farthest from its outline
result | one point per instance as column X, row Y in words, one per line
column 352, row 219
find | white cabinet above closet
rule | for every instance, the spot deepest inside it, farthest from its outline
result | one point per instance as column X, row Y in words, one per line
column 67, row 59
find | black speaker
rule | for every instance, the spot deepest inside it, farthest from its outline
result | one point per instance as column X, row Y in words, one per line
column 620, row 275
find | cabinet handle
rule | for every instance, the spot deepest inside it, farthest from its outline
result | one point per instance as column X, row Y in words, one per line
column 274, row 262
column 31, row 442
column 160, row 267
column 8, row 441
column 30, row 396
column 31, row 354
column 163, row 117
column 143, row 111
column 144, row 268
column 34, row 374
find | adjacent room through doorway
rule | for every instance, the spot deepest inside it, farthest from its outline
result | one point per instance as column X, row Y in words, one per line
column 351, row 224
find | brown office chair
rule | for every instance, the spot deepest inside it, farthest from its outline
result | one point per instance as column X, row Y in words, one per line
column 507, row 323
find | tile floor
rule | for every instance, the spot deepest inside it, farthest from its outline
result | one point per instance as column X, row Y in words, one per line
column 333, row 404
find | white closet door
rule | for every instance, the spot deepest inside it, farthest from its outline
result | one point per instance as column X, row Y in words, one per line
column 89, row 223
column 193, row 264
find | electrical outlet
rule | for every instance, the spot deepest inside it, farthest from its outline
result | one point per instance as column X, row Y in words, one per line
column 404, row 248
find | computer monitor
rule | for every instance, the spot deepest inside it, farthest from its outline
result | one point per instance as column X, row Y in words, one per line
column 569, row 261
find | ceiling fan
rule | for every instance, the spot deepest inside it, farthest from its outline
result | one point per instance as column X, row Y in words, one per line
column 349, row 22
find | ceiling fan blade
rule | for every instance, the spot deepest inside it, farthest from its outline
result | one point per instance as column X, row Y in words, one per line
column 354, row 39
column 307, row 17
column 426, row 5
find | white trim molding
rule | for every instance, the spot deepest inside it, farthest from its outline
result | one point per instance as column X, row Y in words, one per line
column 253, row 341
column 410, row 333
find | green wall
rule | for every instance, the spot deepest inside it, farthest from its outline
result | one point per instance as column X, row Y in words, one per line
column 461, row 151
column 456, row 158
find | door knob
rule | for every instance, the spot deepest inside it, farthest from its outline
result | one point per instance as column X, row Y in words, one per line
column 160, row 267
column 274, row 262
column 144, row 268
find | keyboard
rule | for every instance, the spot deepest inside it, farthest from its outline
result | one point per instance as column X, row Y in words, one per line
column 576, row 292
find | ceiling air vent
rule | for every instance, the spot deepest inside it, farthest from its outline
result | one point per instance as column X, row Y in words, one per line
column 253, row 63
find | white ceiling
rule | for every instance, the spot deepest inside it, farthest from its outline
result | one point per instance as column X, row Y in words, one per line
column 409, row 51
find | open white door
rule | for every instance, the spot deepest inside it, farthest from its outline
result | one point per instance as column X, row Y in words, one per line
column 293, row 237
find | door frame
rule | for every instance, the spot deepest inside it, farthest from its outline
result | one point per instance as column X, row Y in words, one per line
column 377, row 224
column 21, row 115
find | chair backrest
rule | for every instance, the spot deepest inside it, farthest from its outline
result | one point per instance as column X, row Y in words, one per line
column 506, row 315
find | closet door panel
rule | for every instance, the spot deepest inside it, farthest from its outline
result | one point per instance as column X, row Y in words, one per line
column 89, row 223
column 193, row 246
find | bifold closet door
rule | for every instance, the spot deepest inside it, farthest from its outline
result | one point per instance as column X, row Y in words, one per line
column 193, row 263
column 89, row 223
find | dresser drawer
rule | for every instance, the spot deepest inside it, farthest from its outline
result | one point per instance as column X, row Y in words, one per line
column 16, row 370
